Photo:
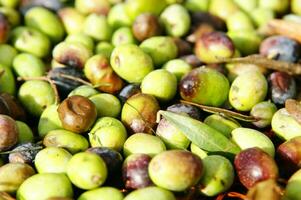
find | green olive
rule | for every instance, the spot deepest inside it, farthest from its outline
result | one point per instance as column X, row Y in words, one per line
column 84, row 90
column 13, row 16
column 104, row 48
column 296, row 7
column 107, row 105
column 118, row 17
column 178, row 67
column 278, row 6
column 97, row 27
column 44, row 186
column 123, row 35
column 87, row 170
column 7, row 54
column 72, row 20
column 100, row 7
column 150, row 193
column 7, row 80
column 103, row 193
column 223, row 9
column 263, row 111
column 52, row 160
column 239, row 21
column 25, row 133
column 197, row 5
column 62, row 138
column 143, row 143
column 10, row 3
column 81, row 38
column 261, row 16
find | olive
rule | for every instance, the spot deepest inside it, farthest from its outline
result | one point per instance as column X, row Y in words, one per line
column 72, row 20
column 192, row 60
column 247, row 90
column 24, row 153
column 65, row 85
column 239, row 21
column 279, row 6
column 178, row 67
column 282, row 87
column 223, row 9
column 81, row 38
column 44, row 186
column 267, row 189
column 218, row 175
column 12, row 175
column 143, row 143
column 25, row 133
column 53, row 5
column 9, row 3
column 112, row 158
column 11, row 106
column 108, row 132
column 99, row 71
column 84, row 90
column 150, row 193
column 4, row 28
column 284, row 125
column 175, row 170
column 49, row 120
column 197, row 5
column 264, row 112
column 36, row 95
column 136, row 7
column 7, row 54
column 73, row 54
column 131, row 63
column 45, row 21
column 52, row 160
column 12, row 15
column 185, row 109
column 261, row 16
column 7, row 81
column 160, row 83
column 135, row 171
column 145, row 26
column 247, row 138
column 107, row 105
column 253, row 165
column 77, row 113
column 104, row 193
column 118, row 17
column 281, row 48
column 62, row 138
column 100, row 7
column 9, row 132
column 204, row 86
column 222, row 124
column 87, row 170
column 183, row 46
column 104, row 48
column 97, row 27
column 160, row 48
column 139, row 113
column 28, row 65
column 213, row 46
column 176, row 20
column 296, row 6
column 25, row 38
column 128, row 91
column 289, row 153
column 122, row 36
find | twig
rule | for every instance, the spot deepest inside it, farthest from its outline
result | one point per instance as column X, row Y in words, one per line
column 20, row 150
column 290, row 68
column 225, row 112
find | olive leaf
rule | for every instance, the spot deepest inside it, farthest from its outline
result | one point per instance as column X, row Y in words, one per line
column 201, row 134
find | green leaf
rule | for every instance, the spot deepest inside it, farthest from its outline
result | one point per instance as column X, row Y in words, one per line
column 201, row 134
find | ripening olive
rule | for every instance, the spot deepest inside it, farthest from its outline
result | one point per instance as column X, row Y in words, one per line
column 103, row 193
column 77, row 113
column 9, row 132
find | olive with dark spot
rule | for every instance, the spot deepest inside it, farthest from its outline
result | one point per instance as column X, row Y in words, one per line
column 186, row 109
column 253, row 165
column 9, row 105
column 77, row 113
column 24, row 153
column 128, row 91
column 135, row 171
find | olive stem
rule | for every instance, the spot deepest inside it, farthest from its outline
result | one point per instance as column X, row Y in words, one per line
column 47, row 79
column 16, row 151
column 222, row 111
column 290, row 68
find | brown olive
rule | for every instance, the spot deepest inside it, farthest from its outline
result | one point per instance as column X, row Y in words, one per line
column 10, row 106
column 145, row 26
column 184, row 47
column 77, row 113
column 8, row 132
column 4, row 28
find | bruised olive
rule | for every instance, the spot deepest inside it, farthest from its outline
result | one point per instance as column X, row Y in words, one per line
column 282, row 87
column 267, row 189
column 12, row 175
column 185, row 109
column 77, row 113
column 128, row 91
column 24, row 153
column 175, row 170
column 281, row 48
column 99, row 71
column 213, row 46
column 253, row 165
column 65, row 85
column 8, row 131
column 290, row 153
column 112, row 158
column 139, row 113
column 205, row 86
column 135, row 171
column 145, row 26
column 264, row 112
column 9, row 105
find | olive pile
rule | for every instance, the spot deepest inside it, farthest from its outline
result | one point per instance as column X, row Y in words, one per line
column 150, row 99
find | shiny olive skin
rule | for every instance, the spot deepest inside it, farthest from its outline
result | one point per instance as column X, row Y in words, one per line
column 24, row 153
column 9, row 132
column 77, row 113
column 135, row 171
column 253, row 166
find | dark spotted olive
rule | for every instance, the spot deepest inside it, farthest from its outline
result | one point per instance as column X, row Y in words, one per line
column 8, row 132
